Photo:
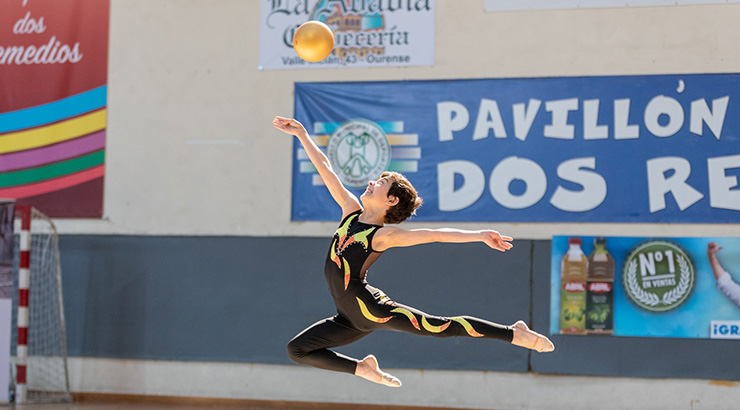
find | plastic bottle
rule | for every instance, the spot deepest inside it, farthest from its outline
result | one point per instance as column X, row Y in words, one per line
column 600, row 290
column 573, row 273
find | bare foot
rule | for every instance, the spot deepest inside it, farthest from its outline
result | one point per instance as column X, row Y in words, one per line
column 525, row 337
column 368, row 369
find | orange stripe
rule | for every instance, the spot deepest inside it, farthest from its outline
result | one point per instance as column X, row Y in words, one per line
column 53, row 184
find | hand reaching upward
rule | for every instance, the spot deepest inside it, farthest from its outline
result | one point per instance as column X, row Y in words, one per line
column 289, row 125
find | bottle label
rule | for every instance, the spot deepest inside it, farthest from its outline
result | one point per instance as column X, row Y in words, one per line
column 600, row 307
column 573, row 307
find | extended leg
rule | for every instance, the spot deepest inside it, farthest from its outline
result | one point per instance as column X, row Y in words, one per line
column 310, row 347
column 386, row 314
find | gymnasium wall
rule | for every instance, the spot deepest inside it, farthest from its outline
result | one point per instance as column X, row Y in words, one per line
column 191, row 149
column 241, row 299
column 197, row 260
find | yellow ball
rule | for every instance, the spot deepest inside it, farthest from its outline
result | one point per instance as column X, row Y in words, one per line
column 313, row 41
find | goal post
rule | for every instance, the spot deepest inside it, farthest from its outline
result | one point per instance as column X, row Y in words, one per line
column 39, row 343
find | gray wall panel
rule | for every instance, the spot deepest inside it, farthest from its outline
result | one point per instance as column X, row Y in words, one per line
column 242, row 298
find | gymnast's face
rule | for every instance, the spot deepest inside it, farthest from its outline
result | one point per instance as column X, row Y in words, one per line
column 377, row 191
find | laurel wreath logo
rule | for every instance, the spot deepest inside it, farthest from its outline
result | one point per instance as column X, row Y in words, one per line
column 647, row 298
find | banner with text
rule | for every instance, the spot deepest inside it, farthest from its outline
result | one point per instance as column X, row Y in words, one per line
column 588, row 149
column 660, row 287
column 366, row 33
column 508, row 5
column 53, row 74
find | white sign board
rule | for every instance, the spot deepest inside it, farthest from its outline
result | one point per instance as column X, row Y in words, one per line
column 366, row 33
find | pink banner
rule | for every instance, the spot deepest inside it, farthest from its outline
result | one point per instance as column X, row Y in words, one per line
column 53, row 73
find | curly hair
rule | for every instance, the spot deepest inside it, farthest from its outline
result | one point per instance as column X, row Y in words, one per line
column 408, row 199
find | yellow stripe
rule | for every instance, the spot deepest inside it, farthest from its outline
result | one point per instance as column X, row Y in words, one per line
column 320, row 140
column 52, row 134
column 403, row 139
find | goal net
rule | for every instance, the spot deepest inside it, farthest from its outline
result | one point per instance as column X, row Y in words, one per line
column 39, row 352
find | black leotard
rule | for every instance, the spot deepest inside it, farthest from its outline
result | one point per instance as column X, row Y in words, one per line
column 362, row 308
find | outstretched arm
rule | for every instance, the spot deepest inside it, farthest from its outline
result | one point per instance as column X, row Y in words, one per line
column 390, row 237
column 725, row 284
column 341, row 195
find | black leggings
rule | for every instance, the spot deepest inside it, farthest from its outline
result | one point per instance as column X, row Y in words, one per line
column 371, row 310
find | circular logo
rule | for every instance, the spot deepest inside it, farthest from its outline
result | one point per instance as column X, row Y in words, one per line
column 358, row 151
column 658, row 276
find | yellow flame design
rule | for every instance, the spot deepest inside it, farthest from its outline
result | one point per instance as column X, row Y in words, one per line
column 433, row 329
column 346, row 273
column 468, row 327
column 408, row 314
column 369, row 316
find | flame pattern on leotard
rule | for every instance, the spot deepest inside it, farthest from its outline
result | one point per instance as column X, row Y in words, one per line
column 341, row 243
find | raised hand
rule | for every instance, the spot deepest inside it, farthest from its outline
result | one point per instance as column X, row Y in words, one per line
column 713, row 248
column 288, row 125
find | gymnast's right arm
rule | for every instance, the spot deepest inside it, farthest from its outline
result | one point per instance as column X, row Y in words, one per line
column 341, row 195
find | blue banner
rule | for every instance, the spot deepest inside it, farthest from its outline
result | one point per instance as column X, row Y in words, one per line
column 646, row 287
column 587, row 149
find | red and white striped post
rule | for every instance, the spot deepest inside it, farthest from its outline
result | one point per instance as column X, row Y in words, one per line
column 24, row 280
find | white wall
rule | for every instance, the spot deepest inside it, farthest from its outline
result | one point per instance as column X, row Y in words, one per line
column 421, row 388
column 191, row 149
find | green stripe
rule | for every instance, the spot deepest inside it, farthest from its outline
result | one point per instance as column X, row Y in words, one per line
column 404, row 166
column 28, row 176
column 307, row 168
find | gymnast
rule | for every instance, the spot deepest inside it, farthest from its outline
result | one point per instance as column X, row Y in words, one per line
column 358, row 242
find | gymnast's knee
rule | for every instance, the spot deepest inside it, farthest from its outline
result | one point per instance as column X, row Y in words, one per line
column 296, row 351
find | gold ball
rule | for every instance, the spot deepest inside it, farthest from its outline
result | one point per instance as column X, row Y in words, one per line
column 313, row 41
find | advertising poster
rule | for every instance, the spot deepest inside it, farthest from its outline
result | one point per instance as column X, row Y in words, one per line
column 366, row 33
column 626, row 149
column 53, row 75
column 646, row 287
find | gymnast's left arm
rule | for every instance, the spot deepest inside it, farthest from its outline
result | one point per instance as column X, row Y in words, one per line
column 391, row 237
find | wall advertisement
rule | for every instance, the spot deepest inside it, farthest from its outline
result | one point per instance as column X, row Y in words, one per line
column 53, row 75
column 366, row 33
column 628, row 149
column 646, row 287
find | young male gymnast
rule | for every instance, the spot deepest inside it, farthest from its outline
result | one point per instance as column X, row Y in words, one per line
column 358, row 242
